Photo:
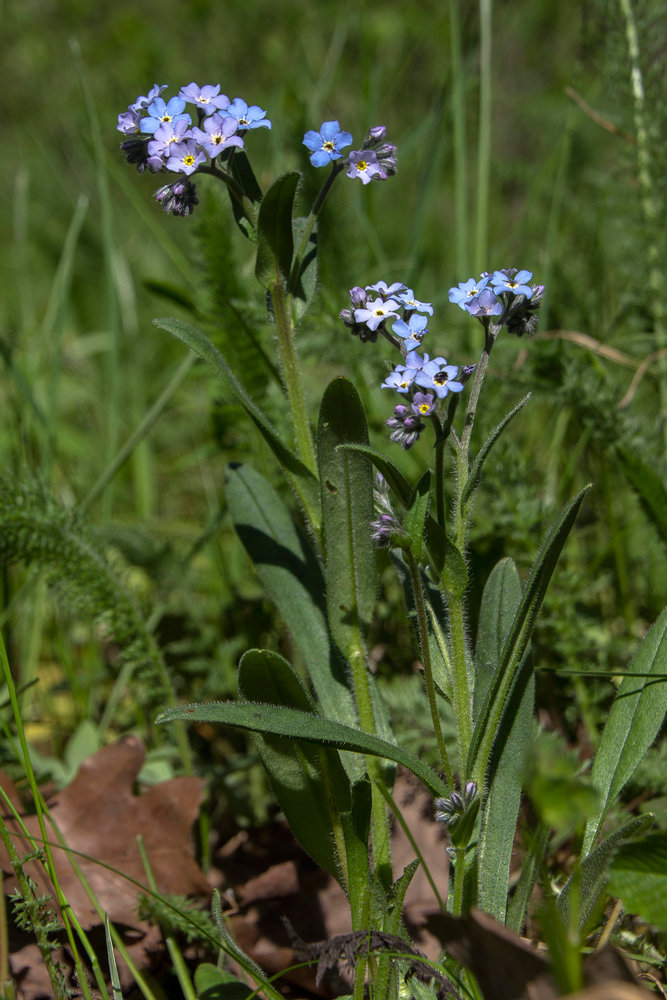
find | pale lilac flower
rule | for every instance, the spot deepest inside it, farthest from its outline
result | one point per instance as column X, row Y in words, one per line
column 247, row 117
column 166, row 135
column 387, row 292
column 440, row 377
column 412, row 332
column 327, row 143
column 185, row 157
column 516, row 283
column 128, row 122
column 467, row 290
column 161, row 113
column 142, row 102
column 376, row 312
column 218, row 134
column 400, row 379
column 358, row 296
column 423, row 404
column 208, row 98
column 407, row 298
column 485, row 304
column 364, row 165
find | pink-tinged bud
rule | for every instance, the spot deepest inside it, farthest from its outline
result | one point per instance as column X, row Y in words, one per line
column 377, row 133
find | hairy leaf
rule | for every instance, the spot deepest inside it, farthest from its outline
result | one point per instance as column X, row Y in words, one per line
column 638, row 876
column 274, row 230
column 416, row 513
column 304, row 282
column 299, row 725
column 633, row 724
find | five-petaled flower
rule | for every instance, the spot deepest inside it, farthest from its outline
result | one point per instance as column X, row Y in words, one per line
column 438, row 376
column 247, row 117
column 166, row 135
column 364, row 164
column 128, row 122
column 407, row 298
column 160, row 113
column 412, row 332
column 423, row 404
column 485, row 304
column 375, row 312
column 517, row 284
column 467, row 290
column 143, row 102
column 400, row 379
column 327, row 143
column 185, row 157
column 386, row 291
column 218, row 134
column 208, row 98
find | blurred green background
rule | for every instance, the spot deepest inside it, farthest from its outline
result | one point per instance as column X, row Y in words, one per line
column 88, row 259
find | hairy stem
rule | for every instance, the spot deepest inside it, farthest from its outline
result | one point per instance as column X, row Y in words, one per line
column 459, row 876
column 282, row 308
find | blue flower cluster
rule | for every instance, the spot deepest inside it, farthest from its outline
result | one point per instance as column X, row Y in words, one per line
column 161, row 135
column 505, row 293
column 376, row 160
column 372, row 308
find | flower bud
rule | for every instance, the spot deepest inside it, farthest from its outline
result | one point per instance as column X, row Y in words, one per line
column 358, row 296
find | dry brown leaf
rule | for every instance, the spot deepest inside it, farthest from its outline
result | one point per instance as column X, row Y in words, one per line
column 98, row 814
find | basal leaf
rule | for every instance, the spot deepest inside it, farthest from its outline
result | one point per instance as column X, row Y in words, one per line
column 288, row 568
column 302, row 479
column 591, row 877
column 638, row 876
column 301, row 726
column 476, row 472
column 487, row 725
column 500, row 601
column 634, row 721
column 274, row 230
column 310, row 784
column 347, row 511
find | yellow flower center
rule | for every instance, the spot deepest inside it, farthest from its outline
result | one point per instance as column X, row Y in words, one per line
column 404, row 385
column 188, row 160
column 329, row 146
column 166, row 118
column 379, row 312
column 473, row 292
column 424, row 408
column 362, row 165
column 243, row 121
column 218, row 139
column 440, row 378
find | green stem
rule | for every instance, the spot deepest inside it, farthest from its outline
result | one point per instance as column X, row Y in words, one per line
column 459, row 878
column 462, row 701
column 428, row 671
column 439, row 470
column 237, row 191
column 484, row 146
column 282, row 310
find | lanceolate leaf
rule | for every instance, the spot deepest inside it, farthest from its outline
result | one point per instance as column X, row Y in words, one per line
column 486, row 727
column 591, row 877
column 476, row 471
column 243, row 173
column 500, row 602
column 293, row 578
column 649, row 486
column 415, row 515
column 310, row 784
column 305, row 281
column 635, row 720
column 302, row 726
column 301, row 478
column 396, row 480
column 347, row 510
column 274, row 230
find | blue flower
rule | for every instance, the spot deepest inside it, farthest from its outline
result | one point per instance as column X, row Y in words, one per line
column 440, row 377
column 413, row 331
column 166, row 135
column 327, row 143
column 128, row 122
column 247, row 117
column 143, row 102
column 387, row 292
column 407, row 298
column 218, row 134
column 375, row 312
column 423, row 404
column 485, row 304
column 185, row 157
column 364, row 165
column 467, row 290
column 505, row 282
column 400, row 379
column 208, row 98
column 160, row 113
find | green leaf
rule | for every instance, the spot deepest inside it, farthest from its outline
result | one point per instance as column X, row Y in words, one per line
column 357, row 828
column 302, row 479
column 649, row 486
column 446, row 558
column 500, row 601
column 638, row 876
column 476, row 472
column 461, row 831
column 588, row 882
column 415, row 515
column 302, row 726
column 243, row 173
column 487, row 725
column 293, row 578
column 212, row 983
column 532, row 864
column 634, row 721
column 310, row 784
column 304, row 283
column 274, row 230
column 347, row 511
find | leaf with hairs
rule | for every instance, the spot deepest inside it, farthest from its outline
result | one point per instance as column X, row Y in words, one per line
column 302, row 726
column 634, row 721
column 638, row 876
column 302, row 479
column 416, row 513
column 488, row 723
column 305, row 281
column 275, row 245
